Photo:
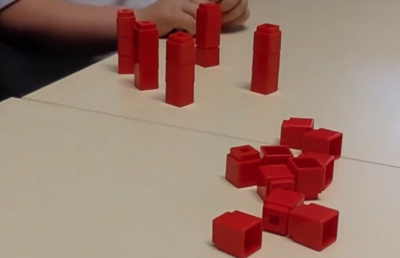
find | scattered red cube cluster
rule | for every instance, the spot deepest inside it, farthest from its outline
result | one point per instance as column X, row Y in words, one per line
column 283, row 182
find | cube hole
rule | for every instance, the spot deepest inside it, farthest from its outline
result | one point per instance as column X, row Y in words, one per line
column 245, row 149
column 329, row 232
column 307, row 163
column 276, row 150
column 335, row 147
column 252, row 239
column 273, row 219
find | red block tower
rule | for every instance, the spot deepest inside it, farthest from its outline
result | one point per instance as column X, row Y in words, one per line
column 180, row 69
column 208, row 32
column 125, row 40
column 266, row 59
column 146, row 55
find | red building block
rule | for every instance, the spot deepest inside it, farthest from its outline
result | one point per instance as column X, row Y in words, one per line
column 242, row 166
column 268, row 64
column 293, row 130
column 237, row 234
column 265, row 84
column 275, row 154
column 310, row 176
column 323, row 141
column 179, row 96
column 276, row 210
column 180, row 49
column 271, row 177
column 146, row 66
column 209, row 16
column 313, row 226
column 329, row 163
column 125, row 40
column 267, row 39
column 207, row 57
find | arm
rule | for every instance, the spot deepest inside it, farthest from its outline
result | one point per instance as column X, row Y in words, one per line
column 55, row 25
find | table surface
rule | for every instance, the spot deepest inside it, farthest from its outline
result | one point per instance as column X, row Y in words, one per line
column 81, row 184
column 339, row 67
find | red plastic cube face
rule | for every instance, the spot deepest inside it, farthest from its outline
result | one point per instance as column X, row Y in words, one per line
column 242, row 165
column 180, row 49
column 268, row 64
column 209, row 16
column 207, row 57
column 125, row 46
column 125, row 22
column 180, row 74
column 275, row 154
column 267, row 39
column 263, row 83
column 276, row 210
column 207, row 38
column 328, row 161
column 313, row 226
column 125, row 65
column 271, row 177
column 237, row 234
column 323, row 141
column 310, row 176
column 146, row 79
column 178, row 95
column 293, row 130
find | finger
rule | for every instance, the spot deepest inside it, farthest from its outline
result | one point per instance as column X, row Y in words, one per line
column 227, row 5
column 187, row 22
column 235, row 13
column 239, row 21
column 190, row 8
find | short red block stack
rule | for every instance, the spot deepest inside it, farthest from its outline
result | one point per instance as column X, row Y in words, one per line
column 293, row 130
column 237, row 233
column 276, row 210
column 180, row 69
column 208, row 32
column 266, row 59
column 125, row 40
column 146, row 55
column 242, row 165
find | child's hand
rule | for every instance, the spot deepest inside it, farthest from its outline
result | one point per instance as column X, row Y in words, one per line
column 234, row 12
column 171, row 14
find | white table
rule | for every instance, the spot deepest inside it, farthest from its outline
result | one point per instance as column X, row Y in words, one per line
column 340, row 65
column 80, row 184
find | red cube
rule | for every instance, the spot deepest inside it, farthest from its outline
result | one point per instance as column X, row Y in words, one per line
column 323, row 141
column 180, row 49
column 275, row 154
column 293, row 130
column 237, row 233
column 310, row 176
column 207, row 57
column 179, row 74
column 262, row 83
column 242, row 166
column 268, row 64
column 328, row 161
column 272, row 177
column 179, row 95
column 313, row 226
column 267, row 39
column 276, row 210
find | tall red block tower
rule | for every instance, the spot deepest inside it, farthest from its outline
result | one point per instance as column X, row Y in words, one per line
column 125, row 40
column 146, row 55
column 180, row 69
column 208, row 32
column 266, row 59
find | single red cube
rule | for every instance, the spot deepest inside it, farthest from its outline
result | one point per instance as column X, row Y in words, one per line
column 209, row 16
column 276, row 210
column 179, row 95
column 125, row 65
column 268, row 64
column 207, row 57
column 264, row 84
column 180, row 49
column 242, row 166
column 275, row 154
column 309, row 174
column 207, row 38
column 328, row 161
column 313, row 226
column 179, row 74
column 293, row 130
column 323, row 141
column 267, row 39
column 272, row 177
column 145, row 79
column 237, row 233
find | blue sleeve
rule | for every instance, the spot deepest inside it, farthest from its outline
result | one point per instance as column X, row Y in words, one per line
column 5, row 3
